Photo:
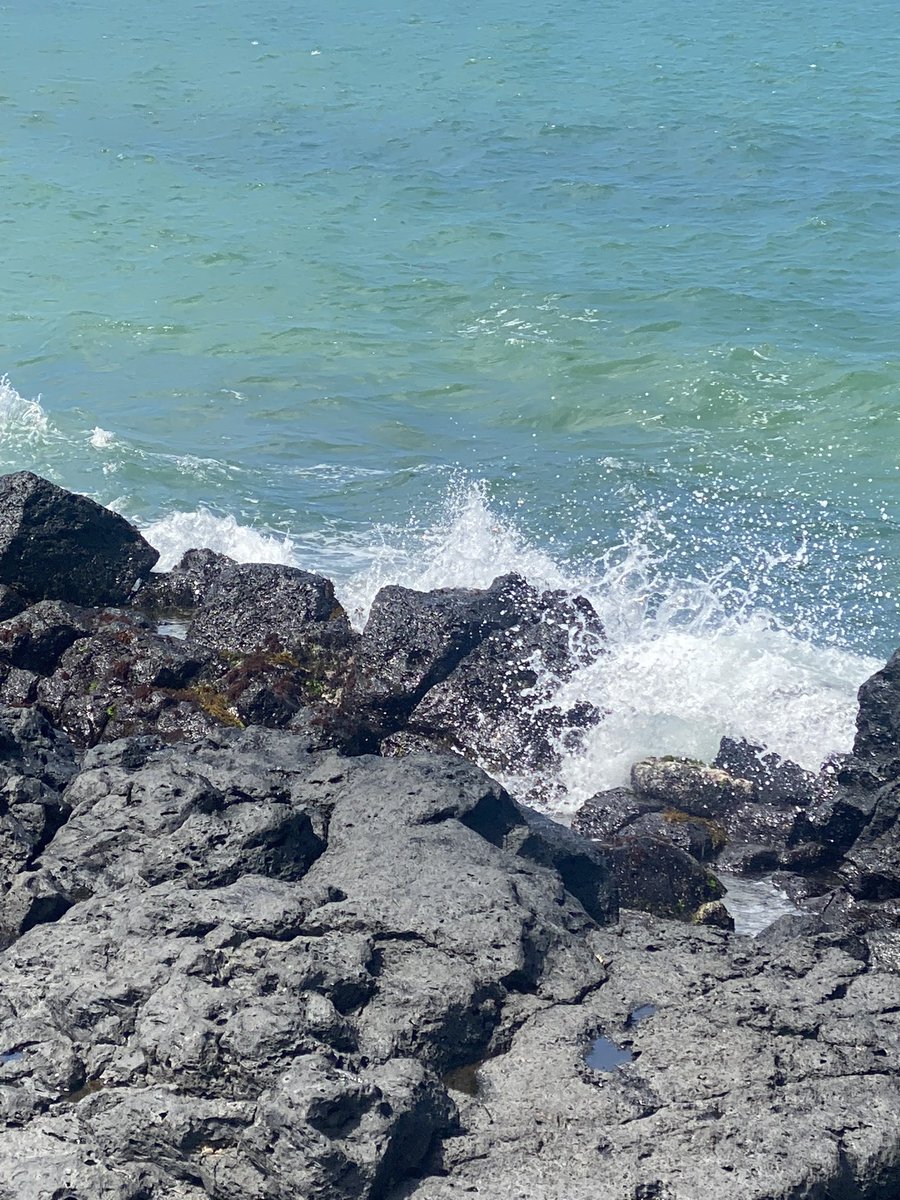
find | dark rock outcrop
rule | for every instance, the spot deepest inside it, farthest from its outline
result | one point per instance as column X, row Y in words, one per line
column 264, row 607
column 413, row 640
column 55, row 545
column 656, row 876
column 179, row 591
column 876, row 748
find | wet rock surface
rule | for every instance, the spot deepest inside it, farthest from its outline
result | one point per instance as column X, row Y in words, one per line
column 55, row 545
column 750, row 1052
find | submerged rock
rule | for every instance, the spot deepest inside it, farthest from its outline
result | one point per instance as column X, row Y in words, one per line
column 55, row 545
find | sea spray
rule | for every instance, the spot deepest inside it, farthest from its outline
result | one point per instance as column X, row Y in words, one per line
column 688, row 659
column 180, row 531
column 21, row 421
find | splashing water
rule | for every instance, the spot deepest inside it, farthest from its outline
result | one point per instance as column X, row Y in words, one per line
column 181, row 531
column 689, row 659
column 21, row 420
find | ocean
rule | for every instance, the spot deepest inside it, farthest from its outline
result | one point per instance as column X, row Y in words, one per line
column 608, row 295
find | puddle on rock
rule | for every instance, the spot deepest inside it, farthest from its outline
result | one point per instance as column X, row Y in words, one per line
column 86, row 1089
column 464, row 1079
column 173, row 629
column 605, row 1055
column 11, row 1057
column 641, row 1013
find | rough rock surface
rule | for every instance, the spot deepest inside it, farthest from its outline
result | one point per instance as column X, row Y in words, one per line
column 413, row 640
column 744, row 1054
column 55, row 545
column 246, row 968
column 690, row 786
column 261, row 606
column 260, row 964
column 253, row 971
column 180, row 590
column 876, row 748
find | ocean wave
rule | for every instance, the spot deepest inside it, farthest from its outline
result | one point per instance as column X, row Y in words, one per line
column 21, row 420
column 688, row 659
column 179, row 531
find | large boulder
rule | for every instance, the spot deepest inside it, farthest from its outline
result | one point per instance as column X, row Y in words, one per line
column 690, row 786
column 259, row 965
column 413, row 640
column 497, row 706
column 180, row 590
column 655, row 876
column 266, row 606
column 55, row 545
column 876, row 748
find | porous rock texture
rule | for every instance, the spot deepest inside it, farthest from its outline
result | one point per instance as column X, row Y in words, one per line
column 264, row 972
column 55, row 545
column 260, row 964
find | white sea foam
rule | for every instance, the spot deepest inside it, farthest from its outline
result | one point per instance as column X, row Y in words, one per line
column 180, row 531
column 101, row 439
column 689, row 660
column 20, row 420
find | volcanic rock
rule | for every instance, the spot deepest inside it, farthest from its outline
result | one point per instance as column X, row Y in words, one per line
column 55, row 545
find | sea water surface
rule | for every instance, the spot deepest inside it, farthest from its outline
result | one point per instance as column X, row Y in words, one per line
column 605, row 294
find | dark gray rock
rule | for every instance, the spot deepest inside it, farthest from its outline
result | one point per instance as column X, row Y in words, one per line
column 871, row 867
column 180, row 590
column 118, row 681
column 777, row 780
column 583, row 868
column 833, row 824
column 37, row 638
column 256, row 1009
column 36, row 763
column 697, row 836
column 757, row 836
column 413, row 641
column 606, row 814
column 264, row 607
column 657, row 877
column 496, row 706
column 55, row 545
column 10, row 602
column 743, row 1053
column 876, row 748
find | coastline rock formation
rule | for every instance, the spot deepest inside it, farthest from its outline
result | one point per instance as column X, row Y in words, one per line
column 255, row 944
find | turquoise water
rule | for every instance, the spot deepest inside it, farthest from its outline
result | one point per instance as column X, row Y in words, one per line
column 611, row 292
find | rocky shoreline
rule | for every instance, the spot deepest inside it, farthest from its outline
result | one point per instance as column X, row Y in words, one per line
column 270, row 930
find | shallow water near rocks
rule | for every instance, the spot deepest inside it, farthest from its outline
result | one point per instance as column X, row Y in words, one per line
column 755, row 904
